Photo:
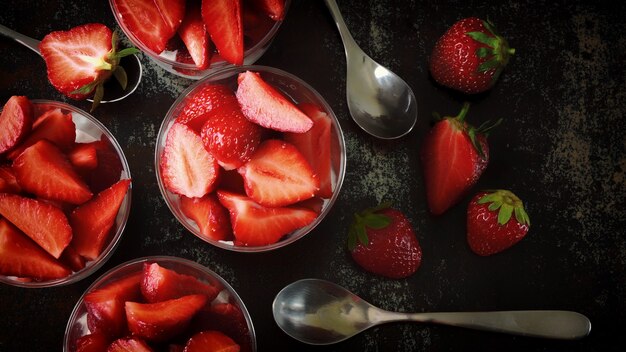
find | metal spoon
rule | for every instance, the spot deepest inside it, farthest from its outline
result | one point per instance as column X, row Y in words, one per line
column 319, row 312
column 380, row 102
column 112, row 91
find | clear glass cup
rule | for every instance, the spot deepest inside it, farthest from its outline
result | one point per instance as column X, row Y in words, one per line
column 300, row 92
column 77, row 323
column 88, row 129
column 254, row 48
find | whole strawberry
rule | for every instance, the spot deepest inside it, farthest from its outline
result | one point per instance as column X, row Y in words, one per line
column 454, row 154
column 496, row 220
column 470, row 56
column 382, row 241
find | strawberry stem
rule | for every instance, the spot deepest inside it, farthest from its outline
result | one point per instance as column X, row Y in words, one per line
column 507, row 204
column 461, row 116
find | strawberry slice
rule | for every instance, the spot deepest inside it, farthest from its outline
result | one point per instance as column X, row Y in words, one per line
column 144, row 21
column 91, row 343
column 209, row 214
column 229, row 136
column 198, row 104
column 162, row 320
column 8, row 182
column 256, row 225
column 72, row 259
column 187, row 168
column 161, row 284
column 16, row 121
column 44, row 171
column 211, row 341
column 223, row 22
column 275, row 9
column 315, row 146
column 19, row 256
column 53, row 126
column 172, row 12
column 226, row 318
column 92, row 221
column 268, row 107
column 316, row 204
column 105, row 305
column 278, row 175
column 83, row 157
column 109, row 168
column 193, row 33
column 43, row 223
column 129, row 344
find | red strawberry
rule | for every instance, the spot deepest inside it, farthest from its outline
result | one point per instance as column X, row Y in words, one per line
column 44, row 170
column 454, row 154
column 161, row 284
column 193, row 32
column 315, row 146
column 92, row 221
column 278, row 175
column 275, row 9
column 84, row 157
column 16, row 121
column 256, row 225
column 144, row 21
column 226, row 318
column 210, row 216
column 382, row 241
column 211, row 341
column 470, row 56
column 109, row 168
column 72, row 259
column 53, row 126
column 223, row 22
column 172, row 12
column 43, row 223
column 162, row 320
column 19, row 256
column 81, row 59
column 266, row 106
column 203, row 100
column 229, row 136
column 491, row 228
column 8, row 182
column 91, row 343
column 105, row 305
column 129, row 344
column 187, row 168
column 316, row 204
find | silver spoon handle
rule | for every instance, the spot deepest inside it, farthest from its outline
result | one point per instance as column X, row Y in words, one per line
column 556, row 324
column 348, row 41
column 28, row 42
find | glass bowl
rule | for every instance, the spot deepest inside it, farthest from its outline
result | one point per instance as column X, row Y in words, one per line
column 255, row 45
column 77, row 323
column 299, row 92
column 88, row 129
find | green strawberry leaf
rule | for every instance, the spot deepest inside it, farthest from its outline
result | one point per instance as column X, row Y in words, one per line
column 483, row 38
column 508, row 204
column 376, row 221
column 97, row 97
column 127, row 52
column 504, row 215
column 488, row 65
column 121, row 77
column 482, row 52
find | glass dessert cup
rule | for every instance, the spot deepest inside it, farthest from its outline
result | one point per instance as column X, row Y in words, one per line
column 299, row 92
column 88, row 129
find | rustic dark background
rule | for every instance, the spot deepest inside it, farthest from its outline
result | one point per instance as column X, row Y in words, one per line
column 561, row 149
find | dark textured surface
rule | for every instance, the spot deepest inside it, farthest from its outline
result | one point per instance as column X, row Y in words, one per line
column 561, row 149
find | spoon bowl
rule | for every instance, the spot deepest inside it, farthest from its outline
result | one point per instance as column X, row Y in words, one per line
column 112, row 90
column 380, row 102
column 319, row 312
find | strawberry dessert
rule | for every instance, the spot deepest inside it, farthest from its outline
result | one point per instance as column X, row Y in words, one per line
column 160, row 304
column 188, row 37
column 61, row 191
column 246, row 166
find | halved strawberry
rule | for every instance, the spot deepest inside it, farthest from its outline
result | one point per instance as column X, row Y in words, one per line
column 203, row 100
column 16, row 121
column 44, row 223
column 105, row 305
column 278, row 175
column 72, row 259
column 268, row 107
column 172, row 12
column 162, row 320
column 43, row 170
column 211, row 340
column 209, row 214
column 275, row 9
column 187, row 168
column 315, row 146
column 93, row 220
column 256, row 225
column 193, row 32
column 91, row 343
column 162, row 284
column 109, row 168
column 53, row 126
column 83, row 157
column 229, row 136
column 19, row 256
column 8, row 182
column 223, row 22
column 129, row 344
column 143, row 19
column 227, row 318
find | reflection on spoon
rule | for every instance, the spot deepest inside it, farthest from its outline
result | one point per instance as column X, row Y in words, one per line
column 113, row 91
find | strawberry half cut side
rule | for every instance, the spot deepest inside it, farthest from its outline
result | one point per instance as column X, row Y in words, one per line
column 211, row 340
column 223, row 22
column 193, row 33
column 210, row 216
column 16, row 122
column 161, row 284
